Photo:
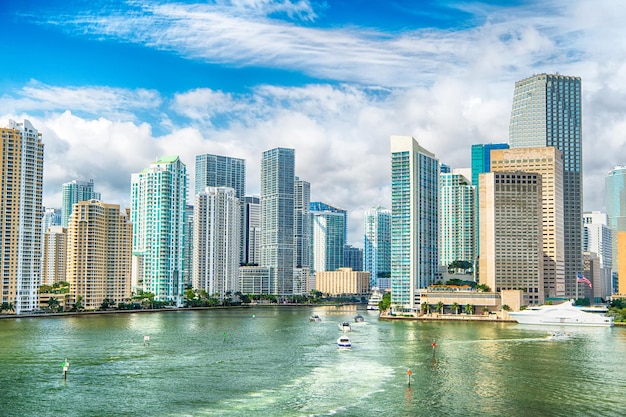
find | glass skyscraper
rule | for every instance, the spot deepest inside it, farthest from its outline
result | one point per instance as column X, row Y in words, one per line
column 481, row 158
column 220, row 171
column 615, row 195
column 547, row 112
column 158, row 207
column 277, row 217
column 302, row 225
column 328, row 234
column 377, row 245
column 414, row 220
column 75, row 192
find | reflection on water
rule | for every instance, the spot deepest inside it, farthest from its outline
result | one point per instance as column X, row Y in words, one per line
column 273, row 361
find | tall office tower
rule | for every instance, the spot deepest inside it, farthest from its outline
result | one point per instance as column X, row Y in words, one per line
column 319, row 206
column 328, row 233
column 99, row 251
column 158, row 205
column 511, row 236
column 615, row 201
column 220, row 171
column 188, row 251
column 302, row 223
column 353, row 258
column 414, row 220
column 621, row 265
column 51, row 217
column 73, row 192
column 457, row 204
column 481, row 158
column 598, row 239
column 547, row 112
column 216, row 241
column 548, row 162
column 251, row 234
column 377, row 245
column 53, row 255
column 277, row 217
column 21, row 211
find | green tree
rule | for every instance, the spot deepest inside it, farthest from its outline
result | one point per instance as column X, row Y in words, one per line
column 469, row 309
column 78, row 305
column 53, row 304
column 5, row 306
column 440, row 306
column 506, row 307
column 425, row 308
column 485, row 310
column 455, row 307
column 107, row 304
column 385, row 303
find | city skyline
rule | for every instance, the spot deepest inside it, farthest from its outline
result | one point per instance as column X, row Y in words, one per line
column 120, row 85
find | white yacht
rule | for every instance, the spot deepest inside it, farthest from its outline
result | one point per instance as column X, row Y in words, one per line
column 345, row 326
column 344, row 342
column 565, row 314
column 375, row 298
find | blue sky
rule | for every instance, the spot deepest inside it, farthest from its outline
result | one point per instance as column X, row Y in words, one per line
column 114, row 85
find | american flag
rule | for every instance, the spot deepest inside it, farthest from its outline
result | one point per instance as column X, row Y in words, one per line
column 581, row 278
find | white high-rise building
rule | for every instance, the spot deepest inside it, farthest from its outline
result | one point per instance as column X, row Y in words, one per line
column 251, row 234
column 158, row 206
column 21, row 169
column 597, row 239
column 377, row 246
column 414, row 220
column 216, row 241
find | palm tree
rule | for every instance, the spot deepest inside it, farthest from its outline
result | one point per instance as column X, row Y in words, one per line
column 456, row 307
column 485, row 310
column 425, row 308
column 469, row 309
column 440, row 306
column 53, row 304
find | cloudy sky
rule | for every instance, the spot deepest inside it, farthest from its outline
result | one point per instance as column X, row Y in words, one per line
column 114, row 85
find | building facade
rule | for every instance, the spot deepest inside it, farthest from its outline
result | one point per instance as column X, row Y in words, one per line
column 377, row 245
column 21, row 211
column 302, row 223
column 598, row 240
column 353, row 258
column 547, row 111
column 277, row 217
column 54, row 255
column 73, row 192
column 328, row 233
column 220, row 171
column 216, row 241
column 457, row 213
column 511, row 235
column 251, row 234
column 99, row 250
column 343, row 282
column 158, row 206
column 615, row 202
column 414, row 220
column 547, row 161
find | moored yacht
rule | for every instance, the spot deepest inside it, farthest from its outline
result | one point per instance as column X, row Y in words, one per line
column 565, row 314
column 375, row 298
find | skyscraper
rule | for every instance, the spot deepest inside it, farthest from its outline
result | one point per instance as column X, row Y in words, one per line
column 547, row 112
column 216, row 241
column 277, row 217
column 353, row 258
column 54, row 255
column 511, row 237
column 158, row 204
column 302, row 225
column 220, row 171
column 251, row 234
column 547, row 161
column 414, row 220
column 328, row 231
column 73, row 192
column 598, row 239
column 615, row 195
column 21, row 211
column 99, row 251
column 481, row 158
column 457, row 204
column 377, row 245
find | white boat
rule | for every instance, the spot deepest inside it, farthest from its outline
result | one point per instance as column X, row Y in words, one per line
column 315, row 318
column 344, row 342
column 359, row 318
column 565, row 314
column 345, row 326
column 375, row 298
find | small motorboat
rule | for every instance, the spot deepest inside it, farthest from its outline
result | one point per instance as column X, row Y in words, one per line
column 344, row 342
column 345, row 326
column 359, row 318
column 315, row 318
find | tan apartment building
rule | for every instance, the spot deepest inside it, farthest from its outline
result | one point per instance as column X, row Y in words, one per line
column 547, row 161
column 54, row 255
column 343, row 281
column 99, row 249
column 511, row 238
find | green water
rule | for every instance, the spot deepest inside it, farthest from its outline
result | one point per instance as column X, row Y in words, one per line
column 271, row 361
